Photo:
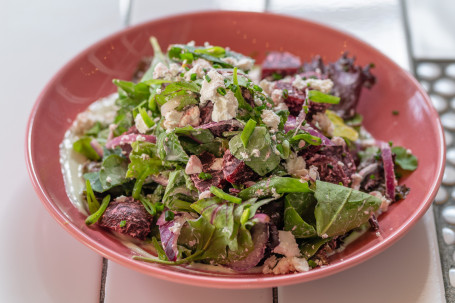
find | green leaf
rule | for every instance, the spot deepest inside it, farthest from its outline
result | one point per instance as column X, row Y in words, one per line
column 274, row 186
column 222, row 195
column 319, row 97
column 218, row 213
column 299, row 206
column 113, row 171
column 143, row 158
column 310, row 247
column 179, row 187
column 157, row 58
column 340, row 209
column 259, row 154
column 131, row 94
column 170, row 149
column 247, row 131
column 404, row 159
column 83, row 147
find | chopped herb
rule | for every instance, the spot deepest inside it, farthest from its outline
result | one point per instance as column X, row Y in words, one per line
column 168, row 215
column 193, row 77
column 277, row 76
column 187, row 68
column 221, row 91
column 318, row 97
column 221, row 194
column 147, row 120
column 207, row 78
column 247, row 131
column 390, row 143
column 182, row 75
column 312, row 264
column 257, row 88
column 93, row 218
column 395, row 112
column 285, row 93
column 372, row 177
column 122, row 223
column 205, row 176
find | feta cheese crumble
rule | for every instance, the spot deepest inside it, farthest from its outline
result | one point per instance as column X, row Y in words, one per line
column 288, row 246
column 270, row 119
column 323, row 85
column 224, row 107
column 194, row 165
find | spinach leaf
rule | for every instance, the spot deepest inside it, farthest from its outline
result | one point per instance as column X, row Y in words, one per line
column 94, row 179
column 181, row 52
column 131, row 94
column 158, row 57
column 217, row 147
column 299, row 214
column 404, row 159
column 340, row 209
column 143, row 158
column 83, row 147
column 198, row 135
column 170, row 149
column 113, row 171
column 310, row 247
column 274, row 186
column 179, row 187
column 218, row 213
column 258, row 155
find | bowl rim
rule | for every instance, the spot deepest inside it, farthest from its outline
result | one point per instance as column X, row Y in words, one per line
column 227, row 282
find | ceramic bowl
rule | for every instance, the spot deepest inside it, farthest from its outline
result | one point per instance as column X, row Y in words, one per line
column 88, row 77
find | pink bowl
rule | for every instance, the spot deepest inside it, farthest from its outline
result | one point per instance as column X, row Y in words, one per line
column 88, row 77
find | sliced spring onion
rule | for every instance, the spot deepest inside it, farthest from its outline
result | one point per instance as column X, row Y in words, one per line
column 93, row 218
column 208, row 78
column 193, row 77
column 149, row 206
column 147, row 120
column 318, row 97
column 247, row 131
column 313, row 140
column 93, row 204
column 138, row 185
column 216, row 51
column 221, row 194
column 205, row 176
column 221, row 91
column 168, row 215
column 245, row 216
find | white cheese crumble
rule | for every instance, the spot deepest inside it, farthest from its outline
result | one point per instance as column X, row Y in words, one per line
column 174, row 118
column 285, row 265
column 205, row 194
column 167, row 73
column 194, row 166
column 323, row 85
column 385, row 202
column 217, row 164
column 244, row 63
column 198, row 68
column 324, row 123
column 338, row 141
column 190, row 117
column 267, row 86
column 288, row 246
column 224, row 107
column 255, row 152
column 270, row 119
column 140, row 124
column 296, row 166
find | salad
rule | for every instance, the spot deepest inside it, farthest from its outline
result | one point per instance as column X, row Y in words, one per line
column 205, row 158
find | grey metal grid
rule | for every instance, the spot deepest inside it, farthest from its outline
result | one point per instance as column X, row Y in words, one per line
column 438, row 78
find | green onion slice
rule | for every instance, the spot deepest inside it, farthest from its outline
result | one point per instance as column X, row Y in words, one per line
column 93, row 218
column 313, row 140
column 247, row 131
column 93, row 204
column 221, row 194
column 318, row 97
column 147, row 120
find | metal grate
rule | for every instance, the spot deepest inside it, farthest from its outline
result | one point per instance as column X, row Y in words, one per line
column 438, row 78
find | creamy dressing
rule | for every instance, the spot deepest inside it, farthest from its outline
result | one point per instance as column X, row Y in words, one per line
column 72, row 162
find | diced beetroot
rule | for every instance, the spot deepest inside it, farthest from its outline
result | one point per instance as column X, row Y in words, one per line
column 127, row 216
column 236, row 171
column 296, row 98
column 217, row 128
column 206, row 113
column 281, row 63
column 218, row 180
column 334, row 163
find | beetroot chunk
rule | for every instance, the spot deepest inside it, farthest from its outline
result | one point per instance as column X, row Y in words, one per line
column 127, row 216
column 209, row 166
column 295, row 98
column 206, row 113
column 335, row 164
column 281, row 63
column 236, row 171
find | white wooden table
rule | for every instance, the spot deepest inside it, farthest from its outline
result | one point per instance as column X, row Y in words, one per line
column 40, row 262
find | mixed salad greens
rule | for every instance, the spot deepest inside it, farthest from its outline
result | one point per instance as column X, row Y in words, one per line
column 205, row 163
